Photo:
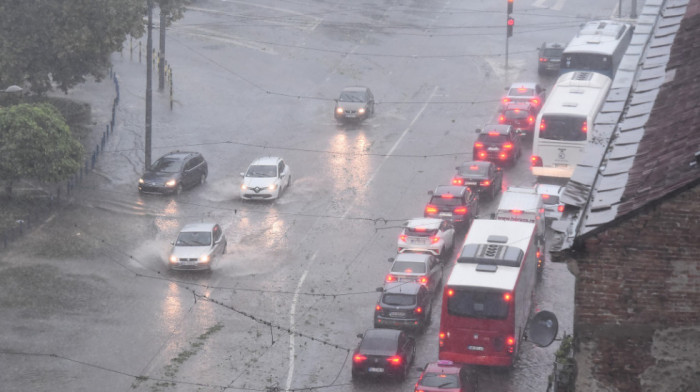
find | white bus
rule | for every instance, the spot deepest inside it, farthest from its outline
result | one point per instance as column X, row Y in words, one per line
column 598, row 47
column 562, row 126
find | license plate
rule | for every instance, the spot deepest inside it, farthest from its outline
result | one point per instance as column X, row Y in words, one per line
column 417, row 241
column 445, row 214
column 470, row 183
column 475, row 348
column 493, row 148
column 349, row 114
column 560, row 165
column 375, row 370
column 397, row 314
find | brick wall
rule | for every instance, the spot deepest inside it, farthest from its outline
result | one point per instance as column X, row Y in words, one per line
column 638, row 276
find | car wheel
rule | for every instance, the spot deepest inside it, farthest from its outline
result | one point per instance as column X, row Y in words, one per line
column 178, row 189
column 355, row 375
column 224, row 250
column 202, row 179
column 289, row 181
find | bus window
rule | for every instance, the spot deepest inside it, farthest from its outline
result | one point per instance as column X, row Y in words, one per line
column 563, row 128
column 586, row 62
column 478, row 304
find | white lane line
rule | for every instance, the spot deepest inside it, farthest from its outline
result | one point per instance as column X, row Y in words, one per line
column 396, row 144
column 292, row 327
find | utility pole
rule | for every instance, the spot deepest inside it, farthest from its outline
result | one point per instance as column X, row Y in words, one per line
column 149, row 80
column 164, row 11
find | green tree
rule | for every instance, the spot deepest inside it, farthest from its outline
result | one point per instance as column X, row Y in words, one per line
column 47, row 42
column 36, row 143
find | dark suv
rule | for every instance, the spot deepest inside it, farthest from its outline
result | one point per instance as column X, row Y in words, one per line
column 549, row 57
column 174, row 172
column 498, row 143
column 519, row 115
column 456, row 204
column 403, row 305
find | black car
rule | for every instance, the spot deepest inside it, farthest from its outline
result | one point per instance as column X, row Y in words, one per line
column 498, row 143
column 549, row 57
column 354, row 104
column 482, row 176
column 174, row 172
column 403, row 305
column 456, row 204
column 383, row 353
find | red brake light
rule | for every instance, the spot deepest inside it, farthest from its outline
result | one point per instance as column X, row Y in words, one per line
column 358, row 358
column 516, row 212
column 482, row 154
column 510, row 345
column 560, row 208
column 584, row 127
column 461, row 210
column 434, row 239
column 450, row 292
column 390, row 278
column 545, row 196
column 494, row 133
column 508, row 146
column 535, row 101
column 447, row 196
column 501, row 119
column 419, row 229
column 457, row 181
column 506, row 100
column 431, row 209
column 543, row 60
column 507, row 297
column 521, row 89
column 485, row 183
column 442, row 335
column 531, row 120
column 478, row 145
column 419, row 310
column 535, row 161
column 395, row 360
column 423, row 280
column 543, row 126
column 402, row 237
column 378, row 307
column 474, row 167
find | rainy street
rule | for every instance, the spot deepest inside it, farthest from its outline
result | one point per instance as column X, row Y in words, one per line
column 88, row 300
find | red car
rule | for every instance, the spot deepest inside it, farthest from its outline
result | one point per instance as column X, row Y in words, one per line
column 519, row 115
column 445, row 376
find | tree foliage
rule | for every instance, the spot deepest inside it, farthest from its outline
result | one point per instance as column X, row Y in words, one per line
column 172, row 9
column 36, row 143
column 62, row 41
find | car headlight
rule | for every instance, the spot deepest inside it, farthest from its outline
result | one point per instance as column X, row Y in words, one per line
column 361, row 110
column 171, row 183
column 244, row 186
column 173, row 259
column 205, row 258
column 141, row 181
column 272, row 187
column 339, row 110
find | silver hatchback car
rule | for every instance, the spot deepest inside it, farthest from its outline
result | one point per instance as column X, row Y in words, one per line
column 196, row 246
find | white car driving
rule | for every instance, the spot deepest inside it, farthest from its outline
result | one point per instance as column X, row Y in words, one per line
column 196, row 246
column 266, row 178
column 431, row 235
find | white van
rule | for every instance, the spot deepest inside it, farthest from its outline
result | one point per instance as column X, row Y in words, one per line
column 524, row 205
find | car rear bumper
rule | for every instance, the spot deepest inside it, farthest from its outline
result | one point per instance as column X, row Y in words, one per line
column 400, row 323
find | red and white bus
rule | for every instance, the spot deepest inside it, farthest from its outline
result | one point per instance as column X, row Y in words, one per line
column 487, row 299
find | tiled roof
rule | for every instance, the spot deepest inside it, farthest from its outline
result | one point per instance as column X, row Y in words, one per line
column 648, row 130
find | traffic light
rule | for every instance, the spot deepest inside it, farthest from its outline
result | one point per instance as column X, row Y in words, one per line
column 510, row 7
column 510, row 23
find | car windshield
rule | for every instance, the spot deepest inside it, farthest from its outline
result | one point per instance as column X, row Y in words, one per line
column 446, row 201
column 167, row 165
column 262, row 171
column 352, row 96
column 521, row 92
column 516, row 114
column 478, row 304
column 471, row 171
column 420, row 232
column 440, row 380
column 399, row 299
column 493, row 137
column 194, row 238
column 380, row 343
column 408, row 267
column 552, row 52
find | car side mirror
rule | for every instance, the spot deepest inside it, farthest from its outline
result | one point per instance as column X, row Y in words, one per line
column 359, row 335
column 430, row 193
column 380, row 289
column 478, row 130
column 172, row 242
column 391, row 259
column 242, row 174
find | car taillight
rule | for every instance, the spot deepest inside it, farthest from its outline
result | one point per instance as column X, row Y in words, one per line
column 378, row 308
column 390, row 278
column 501, row 119
column 531, row 119
column 560, row 208
column 485, row 183
column 431, row 209
column 434, row 239
column 503, row 156
column 442, row 336
column 478, row 145
column 402, row 237
column 506, row 100
column 584, row 127
column 545, row 196
column 447, row 196
column 395, row 360
column 419, row 310
column 535, row 161
column 482, row 154
column 359, row 358
column 543, row 60
column 508, row 146
column 535, row 101
column 510, row 345
column 461, row 210
column 423, row 280
column 516, row 212
column 543, row 125
column 458, row 181
column 507, row 297
column 450, row 292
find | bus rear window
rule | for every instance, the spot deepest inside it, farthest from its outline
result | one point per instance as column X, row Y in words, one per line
column 479, row 304
column 586, row 62
column 564, row 128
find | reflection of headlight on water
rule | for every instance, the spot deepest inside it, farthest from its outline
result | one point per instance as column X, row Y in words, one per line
column 361, row 111
column 171, row 183
column 339, row 110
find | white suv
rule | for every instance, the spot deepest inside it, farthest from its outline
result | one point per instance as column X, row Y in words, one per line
column 431, row 235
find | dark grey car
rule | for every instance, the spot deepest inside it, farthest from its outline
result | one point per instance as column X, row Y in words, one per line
column 354, row 104
column 174, row 172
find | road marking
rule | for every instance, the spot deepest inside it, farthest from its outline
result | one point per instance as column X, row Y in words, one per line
column 292, row 313
column 396, row 144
